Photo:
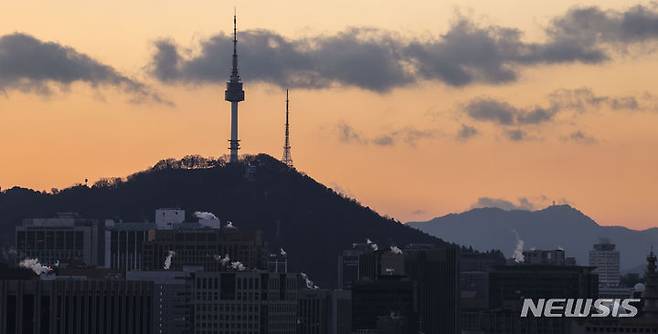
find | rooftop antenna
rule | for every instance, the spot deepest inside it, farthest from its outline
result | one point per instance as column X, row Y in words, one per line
column 287, row 158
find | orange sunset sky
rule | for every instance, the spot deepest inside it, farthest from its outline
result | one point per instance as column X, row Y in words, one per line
column 417, row 109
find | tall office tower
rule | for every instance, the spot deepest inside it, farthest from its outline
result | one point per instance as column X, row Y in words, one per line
column 605, row 258
column 75, row 305
column 388, row 296
column 245, row 302
column 313, row 311
column 348, row 265
column 125, row 245
column 234, row 94
column 65, row 238
column 436, row 274
column 340, row 311
column 124, row 242
column 171, row 308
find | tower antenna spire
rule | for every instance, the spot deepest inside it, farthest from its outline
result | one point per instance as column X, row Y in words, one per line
column 234, row 72
column 287, row 157
column 234, row 94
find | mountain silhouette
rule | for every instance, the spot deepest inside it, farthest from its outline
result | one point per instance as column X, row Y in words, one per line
column 313, row 223
column 553, row 227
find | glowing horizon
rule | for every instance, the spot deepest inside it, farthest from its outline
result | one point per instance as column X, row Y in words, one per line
column 379, row 108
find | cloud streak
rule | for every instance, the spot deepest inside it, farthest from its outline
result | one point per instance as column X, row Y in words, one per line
column 30, row 65
column 517, row 122
column 380, row 60
column 409, row 136
column 522, row 203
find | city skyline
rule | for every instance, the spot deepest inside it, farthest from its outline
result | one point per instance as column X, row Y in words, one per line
column 538, row 121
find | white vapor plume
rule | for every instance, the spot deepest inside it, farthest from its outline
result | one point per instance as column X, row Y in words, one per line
column 396, row 250
column 34, row 264
column 518, row 251
column 282, row 252
column 372, row 244
column 237, row 265
column 205, row 215
column 223, row 260
column 309, row 283
column 167, row 263
column 229, row 224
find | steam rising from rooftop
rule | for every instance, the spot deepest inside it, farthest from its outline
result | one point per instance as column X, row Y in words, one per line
column 167, row 263
column 518, row 251
column 35, row 266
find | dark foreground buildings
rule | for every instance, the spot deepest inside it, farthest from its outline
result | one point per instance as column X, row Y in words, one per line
column 407, row 291
column 76, row 306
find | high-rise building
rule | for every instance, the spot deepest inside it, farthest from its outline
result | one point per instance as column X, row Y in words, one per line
column 245, row 302
column 348, row 265
column 340, row 310
column 172, row 296
column 124, row 244
column 313, row 311
column 386, row 296
column 436, row 274
column 64, row 238
column 605, row 258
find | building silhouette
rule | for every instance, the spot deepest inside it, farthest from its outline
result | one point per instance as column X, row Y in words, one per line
column 605, row 258
column 76, row 306
column 64, row 238
column 348, row 265
column 245, row 302
column 435, row 272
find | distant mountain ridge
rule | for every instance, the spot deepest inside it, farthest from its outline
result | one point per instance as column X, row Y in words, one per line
column 549, row 228
column 312, row 222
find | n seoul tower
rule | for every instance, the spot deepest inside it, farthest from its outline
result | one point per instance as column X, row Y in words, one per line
column 234, row 94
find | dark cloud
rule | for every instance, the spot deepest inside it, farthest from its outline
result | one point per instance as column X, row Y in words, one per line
column 591, row 25
column 384, row 140
column 467, row 132
column 518, row 122
column 359, row 57
column 582, row 99
column 409, row 136
column 347, row 134
column 499, row 112
column 30, row 65
column 489, row 202
column 380, row 60
column 516, row 135
column 491, row 110
column 580, row 137
column 522, row 203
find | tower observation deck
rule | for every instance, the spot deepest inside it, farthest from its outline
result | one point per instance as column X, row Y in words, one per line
column 234, row 94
